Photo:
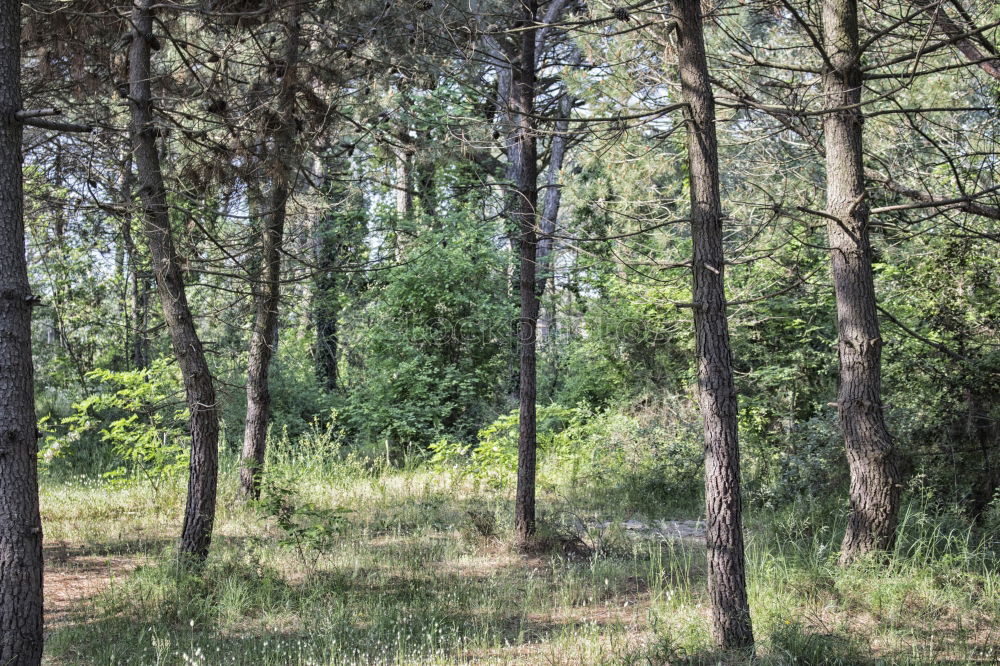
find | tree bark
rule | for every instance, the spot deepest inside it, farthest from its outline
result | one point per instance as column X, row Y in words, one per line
column 268, row 292
column 875, row 481
column 730, row 610
column 524, row 163
column 20, row 522
column 964, row 45
column 328, row 240
column 199, row 514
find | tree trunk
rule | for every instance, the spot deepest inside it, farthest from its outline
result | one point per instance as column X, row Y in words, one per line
column 524, row 162
column 268, row 291
column 199, row 515
column 326, row 315
column 875, row 482
column 428, row 192
column 137, row 334
column 553, row 190
column 984, row 434
column 545, row 255
column 328, row 240
column 20, row 522
column 731, row 626
column 404, row 181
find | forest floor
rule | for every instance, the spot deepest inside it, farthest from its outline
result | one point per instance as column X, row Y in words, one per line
column 419, row 567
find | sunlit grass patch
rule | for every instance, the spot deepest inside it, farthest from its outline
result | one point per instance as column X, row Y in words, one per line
column 423, row 568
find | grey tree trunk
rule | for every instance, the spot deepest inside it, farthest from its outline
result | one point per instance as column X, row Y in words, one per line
column 545, row 255
column 137, row 334
column 524, row 167
column 871, row 457
column 268, row 290
column 20, row 522
column 730, row 610
column 553, row 190
column 199, row 514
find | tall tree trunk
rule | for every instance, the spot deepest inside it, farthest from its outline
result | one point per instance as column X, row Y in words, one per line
column 553, row 190
column 137, row 338
column 545, row 255
column 404, row 182
column 524, row 162
column 20, row 522
column 875, row 480
column 199, row 514
column 327, row 241
column 730, row 610
column 327, row 317
column 268, row 291
column 326, row 303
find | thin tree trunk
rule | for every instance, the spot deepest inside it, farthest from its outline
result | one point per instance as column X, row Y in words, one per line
column 137, row 347
column 875, row 481
column 20, row 522
column 328, row 338
column 524, row 162
column 404, row 183
column 199, row 514
column 428, row 192
column 328, row 240
column 730, row 610
column 268, row 292
column 984, row 433
column 545, row 255
column 553, row 191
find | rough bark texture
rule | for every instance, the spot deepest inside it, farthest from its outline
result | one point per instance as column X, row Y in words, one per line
column 524, row 162
column 267, row 293
column 20, row 523
column 199, row 514
column 874, row 493
column 717, row 395
column 545, row 254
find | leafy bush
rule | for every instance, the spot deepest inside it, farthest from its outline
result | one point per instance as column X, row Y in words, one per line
column 433, row 340
column 307, row 528
column 648, row 456
column 139, row 414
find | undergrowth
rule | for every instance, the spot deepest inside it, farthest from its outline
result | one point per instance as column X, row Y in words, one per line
column 347, row 561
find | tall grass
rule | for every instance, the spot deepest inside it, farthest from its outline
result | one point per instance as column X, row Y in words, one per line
column 423, row 570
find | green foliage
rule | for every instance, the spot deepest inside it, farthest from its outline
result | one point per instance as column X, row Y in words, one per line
column 646, row 458
column 433, row 343
column 137, row 413
column 409, row 578
column 302, row 525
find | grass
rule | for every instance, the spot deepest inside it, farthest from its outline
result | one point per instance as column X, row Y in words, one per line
column 417, row 566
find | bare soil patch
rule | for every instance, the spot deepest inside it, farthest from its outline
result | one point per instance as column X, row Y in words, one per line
column 73, row 577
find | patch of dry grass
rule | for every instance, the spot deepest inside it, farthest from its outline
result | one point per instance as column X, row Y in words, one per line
column 410, row 577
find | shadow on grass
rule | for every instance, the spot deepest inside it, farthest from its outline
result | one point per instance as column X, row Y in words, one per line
column 407, row 606
column 59, row 552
